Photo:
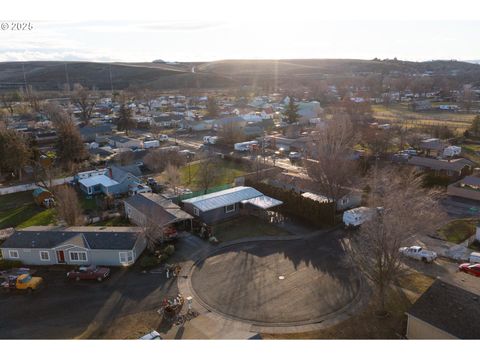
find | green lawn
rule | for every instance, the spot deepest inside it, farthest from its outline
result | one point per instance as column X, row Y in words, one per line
column 19, row 210
column 225, row 173
column 457, row 231
column 246, row 226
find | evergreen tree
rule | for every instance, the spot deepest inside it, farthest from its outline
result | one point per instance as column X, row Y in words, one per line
column 291, row 112
column 14, row 151
column 69, row 146
column 475, row 127
column 212, row 107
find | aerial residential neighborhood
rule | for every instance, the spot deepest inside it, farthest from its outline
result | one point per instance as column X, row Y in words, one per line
column 258, row 171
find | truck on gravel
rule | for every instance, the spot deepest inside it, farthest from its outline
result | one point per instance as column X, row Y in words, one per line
column 418, row 253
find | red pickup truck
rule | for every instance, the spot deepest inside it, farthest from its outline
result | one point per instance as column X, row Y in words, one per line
column 89, row 273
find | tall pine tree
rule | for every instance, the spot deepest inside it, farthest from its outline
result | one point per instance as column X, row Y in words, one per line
column 291, row 112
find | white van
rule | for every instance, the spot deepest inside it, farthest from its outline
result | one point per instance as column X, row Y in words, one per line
column 474, row 257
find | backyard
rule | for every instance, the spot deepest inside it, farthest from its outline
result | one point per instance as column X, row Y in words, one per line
column 19, row 210
column 225, row 172
column 457, row 231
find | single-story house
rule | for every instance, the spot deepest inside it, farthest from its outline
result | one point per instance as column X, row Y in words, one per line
column 455, row 168
column 468, row 188
column 444, row 311
column 433, row 146
column 112, row 181
column 92, row 133
column 226, row 204
column 305, row 186
column 141, row 209
column 351, row 199
column 82, row 245
column 123, row 142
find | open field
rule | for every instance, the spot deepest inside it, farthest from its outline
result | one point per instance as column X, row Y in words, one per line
column 400, row 113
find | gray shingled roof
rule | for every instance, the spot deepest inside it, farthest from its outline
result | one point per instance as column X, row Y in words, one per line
column 449, row 308
column 48, row 239
column 158, row 209
column 435, row 164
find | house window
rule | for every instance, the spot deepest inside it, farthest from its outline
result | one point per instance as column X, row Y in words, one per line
column 196, row 211
column 44, row 256
column 229, row 208
column 13, row 254
column 78, row 256
column 126, row 257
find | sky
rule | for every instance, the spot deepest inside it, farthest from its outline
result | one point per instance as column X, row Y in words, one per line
column 187, row 30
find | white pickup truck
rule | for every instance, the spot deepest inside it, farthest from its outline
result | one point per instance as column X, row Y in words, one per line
column 418, row 253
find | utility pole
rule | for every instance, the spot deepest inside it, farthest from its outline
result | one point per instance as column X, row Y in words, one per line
column 110, row 73
column 66, row 78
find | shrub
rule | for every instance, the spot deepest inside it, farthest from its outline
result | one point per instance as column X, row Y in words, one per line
column 169, row 250
column 9, row 264
column 149, row 261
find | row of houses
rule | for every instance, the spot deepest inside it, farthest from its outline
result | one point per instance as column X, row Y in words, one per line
column 121, row 246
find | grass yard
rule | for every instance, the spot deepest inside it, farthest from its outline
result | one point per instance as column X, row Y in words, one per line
column 457, row 231
column 19, row 210
column 246, row 226
column 225, row 172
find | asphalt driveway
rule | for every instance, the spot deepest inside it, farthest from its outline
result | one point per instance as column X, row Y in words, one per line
column 66, row 310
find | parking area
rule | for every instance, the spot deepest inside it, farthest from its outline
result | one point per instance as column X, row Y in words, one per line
column 86, row 309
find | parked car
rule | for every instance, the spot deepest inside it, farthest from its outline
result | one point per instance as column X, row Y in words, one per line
column 154, row 335
column 89, row 273
column 474, row 257
column 163, row 137
column 418, row 253
column 468, row 268
column 21, row 282
column 294, row 156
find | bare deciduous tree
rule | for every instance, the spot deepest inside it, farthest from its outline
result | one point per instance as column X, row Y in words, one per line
column 331, row 166
column 85, row 100
column 68, row 206
column 153, row 234
column 401, row 208
column 207, row 171
column 172, row 176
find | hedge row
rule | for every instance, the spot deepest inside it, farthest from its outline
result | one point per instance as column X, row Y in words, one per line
column 296, row 205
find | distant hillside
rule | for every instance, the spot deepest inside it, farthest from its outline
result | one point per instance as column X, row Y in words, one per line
column 52, row 75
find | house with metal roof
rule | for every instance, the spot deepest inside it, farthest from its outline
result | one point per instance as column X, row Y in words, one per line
column 444, row 311
column 81, row 245
column 222, row 205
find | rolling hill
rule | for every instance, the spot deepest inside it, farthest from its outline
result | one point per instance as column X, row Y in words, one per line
column 52, row 75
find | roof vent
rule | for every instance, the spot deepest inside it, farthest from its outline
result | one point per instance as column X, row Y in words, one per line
column 475, row 298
